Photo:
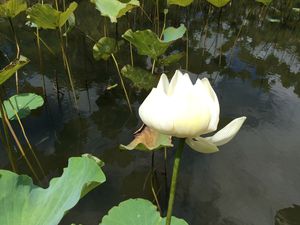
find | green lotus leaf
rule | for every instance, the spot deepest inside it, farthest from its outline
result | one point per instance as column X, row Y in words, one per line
column 136, row 212
column 46, row 17
column 171, row 59
column 22, row 104
column 105, row 47
column 218, row 3
column 146, row 42
column 142, row 79
column 147, row 139
column 288, row 216
column 265, row 2
column 115, row 9
column 172, row 33
column 11, row 68
column 180, row 2
column 23, row 203
column 11, row 8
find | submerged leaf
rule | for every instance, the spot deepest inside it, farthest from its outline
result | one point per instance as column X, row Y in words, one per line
column 136, row 212
column 180, row 2
column 22, row 104
column 23, row 203
column 146, row 42
column 172, row 33
column 115, row 9
column 265, row 2
column 104, row 48
column 13, row 67
column 218, row 3
column 46, row 17
column 140, row 78
column 147, row 139
column 170, row 59
column 12, row 8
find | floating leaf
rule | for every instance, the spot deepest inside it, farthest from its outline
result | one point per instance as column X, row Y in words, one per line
column 218, row 3
column 22, row 104
column 171, row 59
column 288, row 216
column 147, row 139
column 136, row 212
column 104, row 48
column 23, row 203
column 140, row 78
column 115, row 9
column 146, row 42
column 13, row 67
column 265, row 2
column 180, row 2
column 172, row 33
column 46, row 17
column 12, row 8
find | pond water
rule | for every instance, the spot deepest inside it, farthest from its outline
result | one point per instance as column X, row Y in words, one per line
column 246, row 183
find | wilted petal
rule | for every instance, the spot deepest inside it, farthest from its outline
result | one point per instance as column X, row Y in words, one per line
column 202, row 145
column 228, row 132
column 163, row 83
column 215, row 107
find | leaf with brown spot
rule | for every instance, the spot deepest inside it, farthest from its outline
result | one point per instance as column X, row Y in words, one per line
column 147, row 139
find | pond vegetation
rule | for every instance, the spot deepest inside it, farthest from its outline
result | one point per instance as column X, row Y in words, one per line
column 78, row 78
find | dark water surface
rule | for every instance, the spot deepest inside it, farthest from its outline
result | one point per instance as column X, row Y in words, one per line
column 246, row 183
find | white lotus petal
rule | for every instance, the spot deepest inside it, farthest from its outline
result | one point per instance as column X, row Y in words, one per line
column 215, row 107
column 202, row 145
column 228, row 132
column 177, row 76
column 163, row 83
column 156, row 111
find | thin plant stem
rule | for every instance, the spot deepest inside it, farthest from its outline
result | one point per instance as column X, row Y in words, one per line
column 45, row 44
column 153, row 66
column 40, row 59
column 27, row 140
column 154, row 193
column 122, row 82
column 6, row 120
column 164, row 26
column 17, row 49
column 174, row 179
column 131, row 54
column 157, row 14
column 67, row 66
column 166, row 173
column 187, row 50
column 8, row 142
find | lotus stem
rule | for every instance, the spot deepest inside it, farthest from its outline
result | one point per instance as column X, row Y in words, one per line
column 153, row 66
column 122, row 82
column 40, row 59
column 17, row 49
column 131, row 54
column 174, row 179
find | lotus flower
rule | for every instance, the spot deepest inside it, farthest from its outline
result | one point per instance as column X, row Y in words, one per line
column 184, row 110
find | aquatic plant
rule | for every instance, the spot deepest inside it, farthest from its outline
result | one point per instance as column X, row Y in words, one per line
column 23, row 203
column 186, row 111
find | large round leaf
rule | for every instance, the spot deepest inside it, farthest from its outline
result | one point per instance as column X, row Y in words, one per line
column 104, row 48
column 136, row 212
column 172, row 33
column 23, row 203
column 114, row 9
column 146, row 42
column 22, row 104
column 265, row 2
column 13, row 67
column 11, row 8
column 46, row 17
column 140, row 78
column 218, row 3
column 180, row 2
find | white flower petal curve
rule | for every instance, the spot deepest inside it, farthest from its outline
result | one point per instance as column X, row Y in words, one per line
column 163, row 83
column 174, row 82
column 228, row 132
column 156, row 111
column 215, row 107
column 202, row 145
